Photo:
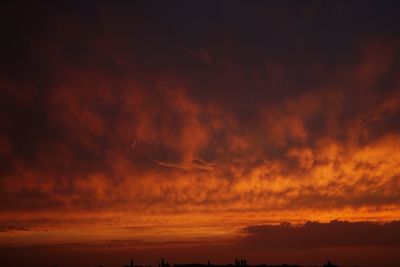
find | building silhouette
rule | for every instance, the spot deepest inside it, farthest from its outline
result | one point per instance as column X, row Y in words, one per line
column 329, row 264
column 238, row 263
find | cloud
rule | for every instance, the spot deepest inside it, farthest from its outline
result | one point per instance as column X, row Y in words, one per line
column 11, row 228
column 202, row 54
column 316, row 235
column 102, row 114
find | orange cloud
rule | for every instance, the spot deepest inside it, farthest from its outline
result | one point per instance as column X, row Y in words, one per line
column 128, row 141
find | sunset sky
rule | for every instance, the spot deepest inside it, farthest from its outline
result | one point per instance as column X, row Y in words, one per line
column 199, row 130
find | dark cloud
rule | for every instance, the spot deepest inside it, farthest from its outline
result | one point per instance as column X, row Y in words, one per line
column 11, row 227
column 315, row 234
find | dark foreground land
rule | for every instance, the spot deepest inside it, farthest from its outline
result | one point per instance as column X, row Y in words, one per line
column 238, row 263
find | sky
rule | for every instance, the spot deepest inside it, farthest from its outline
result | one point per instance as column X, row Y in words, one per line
column 199, row 130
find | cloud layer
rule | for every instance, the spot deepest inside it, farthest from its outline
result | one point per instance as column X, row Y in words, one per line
column 313, row 234
column 141, row 116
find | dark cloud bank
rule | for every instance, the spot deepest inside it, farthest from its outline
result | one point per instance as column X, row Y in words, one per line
column 314, row 234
